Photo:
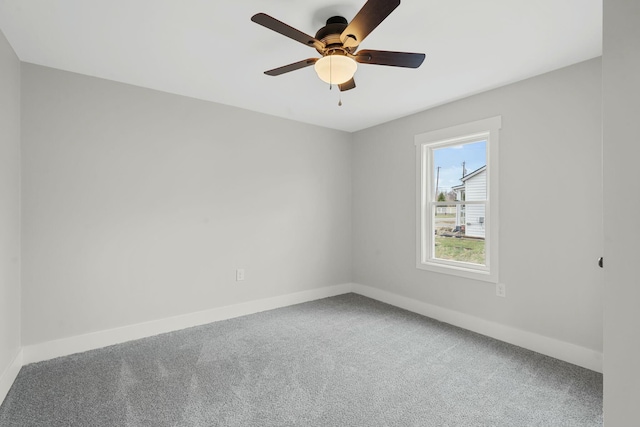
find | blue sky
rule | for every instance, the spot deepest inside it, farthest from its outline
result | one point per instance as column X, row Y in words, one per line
column 450, row 161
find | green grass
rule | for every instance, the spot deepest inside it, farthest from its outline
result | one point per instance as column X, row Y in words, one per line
column 445, row 215
column 463, row 250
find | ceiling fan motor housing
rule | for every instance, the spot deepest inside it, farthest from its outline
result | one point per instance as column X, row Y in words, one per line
column 329, row 35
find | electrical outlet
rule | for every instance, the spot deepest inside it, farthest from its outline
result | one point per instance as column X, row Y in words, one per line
column 501, row 290
column 239, row 274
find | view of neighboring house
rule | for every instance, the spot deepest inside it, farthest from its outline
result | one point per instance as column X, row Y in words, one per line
column 473, row 188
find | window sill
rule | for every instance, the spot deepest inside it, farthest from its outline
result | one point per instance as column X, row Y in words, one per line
column 460, row 271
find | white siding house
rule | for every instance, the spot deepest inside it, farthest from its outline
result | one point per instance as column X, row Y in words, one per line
column 473, row 188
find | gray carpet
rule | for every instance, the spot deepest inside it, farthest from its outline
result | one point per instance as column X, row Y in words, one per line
column 341, row 361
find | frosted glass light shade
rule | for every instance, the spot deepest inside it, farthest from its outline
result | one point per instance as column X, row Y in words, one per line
column 336, row 69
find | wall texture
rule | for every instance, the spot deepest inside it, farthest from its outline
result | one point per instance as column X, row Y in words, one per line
column 621, row 108
column 139, row 205
column 9, row 207
column 550, row 207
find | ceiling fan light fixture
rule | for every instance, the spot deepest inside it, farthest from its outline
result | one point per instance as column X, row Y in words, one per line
column 336, row 69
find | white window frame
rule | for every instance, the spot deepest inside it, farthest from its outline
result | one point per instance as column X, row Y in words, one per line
column 482, row 130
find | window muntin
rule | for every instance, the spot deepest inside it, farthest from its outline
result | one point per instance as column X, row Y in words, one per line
column 457, row 229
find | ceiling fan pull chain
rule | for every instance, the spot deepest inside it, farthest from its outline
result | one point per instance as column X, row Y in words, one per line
column 330, row 76
column 330, row 72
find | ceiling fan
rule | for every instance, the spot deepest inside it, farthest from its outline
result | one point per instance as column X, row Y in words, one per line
column 338, row 41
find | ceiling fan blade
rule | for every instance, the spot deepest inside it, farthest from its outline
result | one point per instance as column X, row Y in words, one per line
column 370, row 16
column 284, row 29
column 291, row 67
column 394, row 59
column 350, row 84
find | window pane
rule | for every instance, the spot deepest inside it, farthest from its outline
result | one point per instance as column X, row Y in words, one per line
column 445, row 218
column 459, row 172
column 460, row 235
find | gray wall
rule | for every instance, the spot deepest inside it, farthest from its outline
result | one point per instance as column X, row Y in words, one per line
column 140, row 205
column 621, row 126
column 550, row 207
column 9, row 204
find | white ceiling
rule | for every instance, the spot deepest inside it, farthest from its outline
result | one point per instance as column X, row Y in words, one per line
column 211, row 50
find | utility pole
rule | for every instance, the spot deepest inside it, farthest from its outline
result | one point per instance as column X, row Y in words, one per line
column 437, row 182
column 464, row 169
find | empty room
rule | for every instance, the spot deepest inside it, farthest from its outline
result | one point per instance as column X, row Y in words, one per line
column 355, row 213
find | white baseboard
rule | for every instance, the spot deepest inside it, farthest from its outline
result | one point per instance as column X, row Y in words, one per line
column 581, row 356
column 9, row 375
column 80, row 343
column 568, row 352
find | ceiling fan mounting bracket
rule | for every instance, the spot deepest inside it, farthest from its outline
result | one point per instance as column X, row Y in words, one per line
column 337, row 20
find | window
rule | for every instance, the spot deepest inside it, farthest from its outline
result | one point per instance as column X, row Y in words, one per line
column 457, row 207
